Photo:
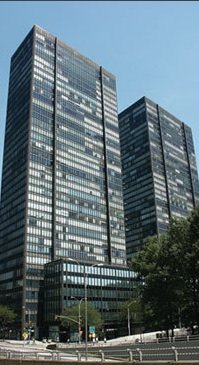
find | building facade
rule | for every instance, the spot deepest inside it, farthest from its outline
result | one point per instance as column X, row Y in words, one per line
column 61, row 183
column 107, row 288
column 160, row 178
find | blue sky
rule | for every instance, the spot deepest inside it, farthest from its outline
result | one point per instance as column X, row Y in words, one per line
column 151, row 46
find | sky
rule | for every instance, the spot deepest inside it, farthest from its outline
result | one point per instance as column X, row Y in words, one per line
column 151, row 47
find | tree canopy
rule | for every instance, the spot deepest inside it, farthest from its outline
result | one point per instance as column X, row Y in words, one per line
column 168, row 268
column 93, row 315
column 7, row 316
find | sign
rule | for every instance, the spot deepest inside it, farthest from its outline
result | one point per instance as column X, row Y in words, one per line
column 92, row 329
column 24, row 335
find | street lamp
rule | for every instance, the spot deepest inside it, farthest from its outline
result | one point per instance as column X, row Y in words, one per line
column 28, row 322
column 66, row 317
column 128, row 316
column 28, row 311
column 79, row 316
column 129, row 328
column 85, row 299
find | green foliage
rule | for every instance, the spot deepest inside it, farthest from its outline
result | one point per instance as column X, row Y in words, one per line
column 7, row 316
column 191, row 269
column 145, row 260
column 169, row 267
column 135, row 308
column 93, row 315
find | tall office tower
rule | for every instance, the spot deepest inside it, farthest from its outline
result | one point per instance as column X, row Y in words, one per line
column 61, row 182
column 160, row 177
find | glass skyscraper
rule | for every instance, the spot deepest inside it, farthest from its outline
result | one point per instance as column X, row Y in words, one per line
column 61, row 182
column 159, row 171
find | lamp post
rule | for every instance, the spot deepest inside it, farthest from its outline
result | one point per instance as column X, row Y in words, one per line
column 85, row 299
column 79, row 316
column 66, row 317
column 86, row 311
column 129, row 328
column 86, row 314
column 128, row 317
column 28, row 323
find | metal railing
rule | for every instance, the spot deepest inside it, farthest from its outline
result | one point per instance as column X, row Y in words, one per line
column 130, row 354
column 176, row 349
column 7, row 354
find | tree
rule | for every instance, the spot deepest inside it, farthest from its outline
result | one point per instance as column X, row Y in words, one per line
column 7, row 316
column 132, row 311
column 169, row 268
column 93, row 315
column 162, row 281
column 190, row 270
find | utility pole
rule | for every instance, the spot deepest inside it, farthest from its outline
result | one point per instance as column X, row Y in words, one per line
column 85, row 299
column 128, row 317
column 79, row 315
column 129, row 326
column 86, row 315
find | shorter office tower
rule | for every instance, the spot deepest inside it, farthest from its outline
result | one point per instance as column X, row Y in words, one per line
column 160, row 178
column 68, row 283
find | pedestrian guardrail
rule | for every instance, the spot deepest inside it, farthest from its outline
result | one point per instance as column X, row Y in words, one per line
column 140, row 354
column 151, row 352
